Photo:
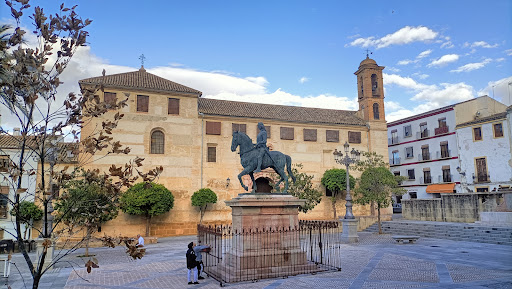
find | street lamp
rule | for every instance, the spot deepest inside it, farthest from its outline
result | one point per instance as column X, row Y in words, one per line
column 51, row 158
column 347, row 161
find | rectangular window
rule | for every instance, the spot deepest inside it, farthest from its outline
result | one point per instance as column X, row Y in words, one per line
column 423, row 130
column 142, row 103
column 481, row 170
column 309, row 134
column 445, row 153
column 426, row 176
column 328, row 193
column 397, row 174
column 242, row 127
column 407, row 131
column 410, row 174
column 498, row 129
column 447, row 177
column 425, row 154
column 212, row 154
column 267, row 128
column 287, row 133
column 396, row 158
column 4, row 163
column 394, row 136
column 354, row 137
column 213, row 127
column 477, row 133
column 409, row 153
column 442, row 122
column 4, row 201
column 173, row 106
column 482, row 190
column 110, row 98
column 332, row 135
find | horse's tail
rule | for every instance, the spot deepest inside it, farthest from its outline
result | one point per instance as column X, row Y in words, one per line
column 289, row 167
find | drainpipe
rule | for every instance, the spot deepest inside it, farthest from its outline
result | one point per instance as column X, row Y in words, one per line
column 202, row 146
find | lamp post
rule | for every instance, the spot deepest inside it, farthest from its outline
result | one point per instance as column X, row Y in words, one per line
column 349, row 233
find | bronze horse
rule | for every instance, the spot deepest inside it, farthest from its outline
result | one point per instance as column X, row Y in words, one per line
column 249, row 160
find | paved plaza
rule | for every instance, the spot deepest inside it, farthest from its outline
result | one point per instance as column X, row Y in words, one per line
column 377, row 261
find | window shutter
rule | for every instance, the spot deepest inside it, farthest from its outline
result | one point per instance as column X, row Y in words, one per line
column 142, row 103
column 332, row 135
column 173, row 107
column 267, row 128
column 287, row 133
column 309, row 134
column 212, row 154
column 354, row 137
column 498, row 130
column 213, row 127
column 110, row 98
column 242, row 127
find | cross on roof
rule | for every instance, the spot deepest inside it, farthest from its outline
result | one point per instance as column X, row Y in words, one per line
column 368, row 52
column 142, row 58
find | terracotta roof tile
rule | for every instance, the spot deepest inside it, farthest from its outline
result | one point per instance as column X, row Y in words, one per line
column 14, row 142
column 278, row 112
column 140, row 79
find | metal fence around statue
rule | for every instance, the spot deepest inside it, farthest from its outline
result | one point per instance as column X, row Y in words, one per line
column 254, row 254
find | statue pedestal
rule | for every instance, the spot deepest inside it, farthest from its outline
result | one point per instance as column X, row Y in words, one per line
column 40, row 247
column 266, row 242
column 349, row 234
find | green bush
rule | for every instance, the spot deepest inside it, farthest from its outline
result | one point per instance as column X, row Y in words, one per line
column 202, row 198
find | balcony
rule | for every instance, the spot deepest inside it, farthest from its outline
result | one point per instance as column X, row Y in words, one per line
column 481, row 178
column 424, row 157
column 445, row 178
column 443, row 154
column 427, row 180
column 394, row 161
column 422, row 134
column 393, row 140
column 441, row 130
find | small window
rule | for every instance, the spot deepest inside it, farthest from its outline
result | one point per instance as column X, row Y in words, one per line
column 287, row 133
column 397, row 173
column 309, row 134
column 4, row 163
column 110, row 98
column 425, row 154
column 413, row 195
column 157, row 142
column 482, row 190
column 267, row 128
column 445, row 153
column 409, row 153
column 4, row 201
column 477, row 133
column 242, row 127
column 332, row 135
column 426, row 176
column 407, row 131
column 212, row 154
column 498, row 130
column 142, row 103
column 374, row 83
column 354, row 137
column 376, row 111
column 173, row 106
column 328, row 193
column 442, row 122
column 213, row 127
column 410, row 174
column 423, row 130
column 447, row 177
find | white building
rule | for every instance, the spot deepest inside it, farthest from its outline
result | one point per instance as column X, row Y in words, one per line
column 485, row 158
column 424, row 148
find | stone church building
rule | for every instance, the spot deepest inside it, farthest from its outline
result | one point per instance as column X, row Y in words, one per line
column 172, row 125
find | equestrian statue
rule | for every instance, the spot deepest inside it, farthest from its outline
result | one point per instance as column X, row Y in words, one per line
column 255, row 157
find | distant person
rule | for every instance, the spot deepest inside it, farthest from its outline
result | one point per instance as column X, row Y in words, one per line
column 199, row 257
column 140, row 241
column 191, row 263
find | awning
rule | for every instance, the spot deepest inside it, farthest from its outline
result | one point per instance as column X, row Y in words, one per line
column 441, row 188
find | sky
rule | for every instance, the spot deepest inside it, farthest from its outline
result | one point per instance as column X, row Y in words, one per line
column 302, row 53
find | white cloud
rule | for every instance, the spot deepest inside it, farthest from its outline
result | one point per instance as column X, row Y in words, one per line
column 420, row 75
column 424, row 54
column 499, row 59
column 447, row 45
column 303, row 79
column 499, row 89
column 403, row 36
column 444, row 60
column 405, row 62
column 472, row 66
column 392, row 69
column 483, row 44
column 509, row 52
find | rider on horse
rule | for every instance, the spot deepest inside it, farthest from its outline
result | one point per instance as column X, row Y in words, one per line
column 261, row 145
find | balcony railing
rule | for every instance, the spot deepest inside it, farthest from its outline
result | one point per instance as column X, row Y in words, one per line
column 425, row 180
column 445, row 178
column 481, row 178
column 441, row 130
column 424, row 157
column 422, row 134
column 394, row 161
column 393, row 140
column 443, row 154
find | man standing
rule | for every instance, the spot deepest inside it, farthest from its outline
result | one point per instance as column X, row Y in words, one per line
column 199, row 258
column 261, row 145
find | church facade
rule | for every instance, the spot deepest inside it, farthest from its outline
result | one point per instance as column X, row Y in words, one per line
column 172, row 125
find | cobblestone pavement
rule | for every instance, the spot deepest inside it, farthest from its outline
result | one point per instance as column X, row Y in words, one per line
column 375, row 262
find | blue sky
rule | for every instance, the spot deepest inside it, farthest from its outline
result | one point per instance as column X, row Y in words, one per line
column 304, row 52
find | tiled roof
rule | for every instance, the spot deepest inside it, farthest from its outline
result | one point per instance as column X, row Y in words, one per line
column 278, row 112
column 142, row 80
column 14, row 142
column 500, row 115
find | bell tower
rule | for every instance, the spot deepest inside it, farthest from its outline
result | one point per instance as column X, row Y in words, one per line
column 370, row 90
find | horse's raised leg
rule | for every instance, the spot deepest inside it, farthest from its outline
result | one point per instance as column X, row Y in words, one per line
column 243, row 173
column 254, row 186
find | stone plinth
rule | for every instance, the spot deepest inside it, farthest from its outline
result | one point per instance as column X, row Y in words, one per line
column 349, row 234
column 265, row 242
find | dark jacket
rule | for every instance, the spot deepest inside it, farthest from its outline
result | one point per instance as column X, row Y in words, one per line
column 191, row 259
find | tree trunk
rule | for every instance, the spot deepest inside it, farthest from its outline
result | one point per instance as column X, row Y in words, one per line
column 87, row 239
column 333, row 201
column 378, row 219
column 148, row 223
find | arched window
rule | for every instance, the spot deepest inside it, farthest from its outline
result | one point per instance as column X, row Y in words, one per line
column 374, row 82
column 157, row 142
column 375, row 111
column 362, row 90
